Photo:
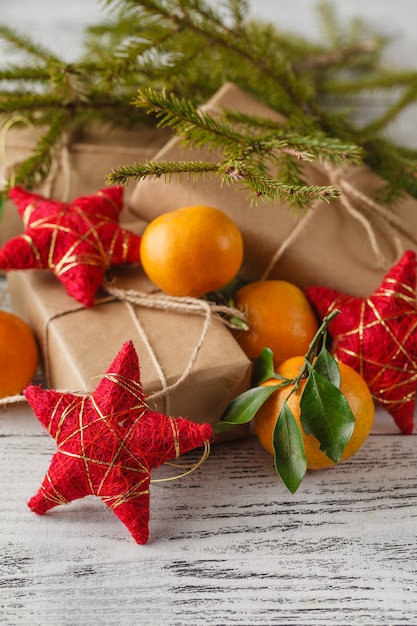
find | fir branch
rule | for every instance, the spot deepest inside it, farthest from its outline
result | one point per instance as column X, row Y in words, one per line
column 239, row 11
column 230, row 172
column 39, row 106
column 349, row 38
column 289, row 169
column 161, row 169
column 270, row 189
column 143, row 49
column 198, row 128
column 36, row 167
column 339, row 57
column 308, row 148
column 195, row 126
column 197, row 17
column 26, row 73
column 27, row 101
column 377, row 125
column 191, row 49
column 246, row 158
column 384, row 80
column 26, row 45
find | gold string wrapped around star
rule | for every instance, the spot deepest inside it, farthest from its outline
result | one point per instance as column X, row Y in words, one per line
column 108, row 443
column 77, row 241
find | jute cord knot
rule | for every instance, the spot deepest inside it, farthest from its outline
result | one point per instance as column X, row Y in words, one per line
column 193, row 306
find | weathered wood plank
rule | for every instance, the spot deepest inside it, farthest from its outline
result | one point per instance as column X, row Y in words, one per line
column 229, row 545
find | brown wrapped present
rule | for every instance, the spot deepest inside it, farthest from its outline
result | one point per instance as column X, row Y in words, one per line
column 80, row 167
column 348, row 244
column 190, row 364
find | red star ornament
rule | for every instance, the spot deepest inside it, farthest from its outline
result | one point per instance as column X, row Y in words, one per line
column 78, row 241
column 108, row 443
column 377, row 336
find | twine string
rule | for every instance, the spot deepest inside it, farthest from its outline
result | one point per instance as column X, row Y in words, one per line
column 141, row 331
column 359, row 206
column 388, row 217
column 348, row 193
column 4, row 159
column 12, row 400
column 299, row 227
column 193, row 306
column 192, row 360
column 180, row 304
column 191, row 468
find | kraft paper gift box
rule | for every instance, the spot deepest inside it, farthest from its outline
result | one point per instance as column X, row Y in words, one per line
column 347, row 244
column 79, row 167
column 78, row 345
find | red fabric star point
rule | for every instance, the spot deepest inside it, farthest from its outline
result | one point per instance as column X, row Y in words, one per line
column 77, row 241
column 108, row 443
column 377, row 336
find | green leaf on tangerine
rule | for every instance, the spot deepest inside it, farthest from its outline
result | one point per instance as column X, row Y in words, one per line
column 327, row 366
column 289, row 454
column 263, row 366
column 243, row 408
column 326, row 414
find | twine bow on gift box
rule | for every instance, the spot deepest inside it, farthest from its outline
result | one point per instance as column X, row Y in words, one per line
column 129, row 299
column 192, row 306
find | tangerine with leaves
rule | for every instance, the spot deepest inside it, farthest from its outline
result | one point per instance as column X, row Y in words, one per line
column 279, row 316
column 352, row 386
column 191, row 251
column 18, row 354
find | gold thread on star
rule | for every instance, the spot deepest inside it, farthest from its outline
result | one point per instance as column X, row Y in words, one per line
column 377, row 336
column 77, row 241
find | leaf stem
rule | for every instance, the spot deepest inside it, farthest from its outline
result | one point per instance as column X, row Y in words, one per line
column 321, row 332
column 312, row 348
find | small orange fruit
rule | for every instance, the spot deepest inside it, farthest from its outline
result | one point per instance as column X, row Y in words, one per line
column 353, row 387
column 18, row 354
column 279, row 317
column 191, row 251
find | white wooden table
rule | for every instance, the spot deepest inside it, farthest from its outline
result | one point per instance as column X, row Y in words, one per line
column 228, row 544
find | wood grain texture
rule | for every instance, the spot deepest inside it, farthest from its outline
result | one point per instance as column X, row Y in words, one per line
column 228, row 544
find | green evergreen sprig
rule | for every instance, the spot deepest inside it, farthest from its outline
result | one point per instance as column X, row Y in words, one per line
column 34, row 169
column 246, row 158
column 189, row 49
column 198, row 128
column 230, row 172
